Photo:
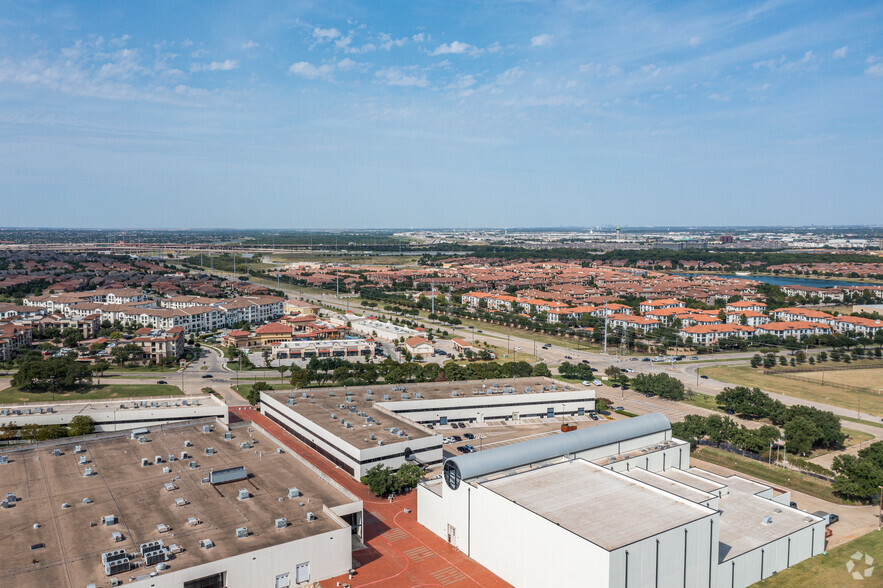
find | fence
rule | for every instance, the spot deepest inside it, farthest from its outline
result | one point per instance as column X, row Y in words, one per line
column 764, row 459
column 836, row 385
column 809, row 368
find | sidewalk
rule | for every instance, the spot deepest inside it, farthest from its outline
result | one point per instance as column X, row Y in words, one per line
column 399, row 551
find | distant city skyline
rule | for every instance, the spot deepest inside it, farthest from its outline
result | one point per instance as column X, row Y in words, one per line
column 499, row 114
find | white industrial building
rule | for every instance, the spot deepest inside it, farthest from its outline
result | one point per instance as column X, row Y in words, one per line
column 117, row 415
column 191, row 506
column 615, row 505
column 358, row 428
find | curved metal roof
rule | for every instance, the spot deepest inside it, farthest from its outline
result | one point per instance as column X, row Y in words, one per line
column 516, row 455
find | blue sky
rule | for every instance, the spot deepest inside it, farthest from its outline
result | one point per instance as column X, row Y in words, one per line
column 440, row 113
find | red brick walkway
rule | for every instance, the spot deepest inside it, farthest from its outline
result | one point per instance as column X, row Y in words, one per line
column 400, row 552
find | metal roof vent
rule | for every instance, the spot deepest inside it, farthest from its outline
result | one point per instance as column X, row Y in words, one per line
column 87, row 472
column 4, row 459
column 83, row 460
column 243, row 494
column 188, row 444
column 78, row 449
column 56, row 452
column 184, row 455
column 281, row 523
column 311, row 516
column 181, row 502
column 206, row 429
column 145, row 462
column 242, row 532
column 192, row 521
column 245, row 445
column 116, row 536
column 193, row 465
column 171, row 457
column 109, row 520
column 157, row 459
column 766, row 520
column 209, row 450
column 279, row 450
column 167, row 470
column 87, row 500
column 206, row 543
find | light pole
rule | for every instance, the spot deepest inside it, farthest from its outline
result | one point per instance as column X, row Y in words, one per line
column 880, row 518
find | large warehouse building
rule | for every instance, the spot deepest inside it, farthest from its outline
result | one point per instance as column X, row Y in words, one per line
column 358, row 428
column 191, row 506
column 615, row 505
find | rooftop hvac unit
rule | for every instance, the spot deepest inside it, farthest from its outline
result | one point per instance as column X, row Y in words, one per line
column 766, row 520
column 163, row 528
column 281, row 523
column 154, row 557
column 193, row 465
column 4, row 503
column 109, row 520
column 188, row 444
column 142, row 440
column 65, row 505
column 192, row 521
column 405, row 396
column 78, row 449
column 56, row 452
column 116, row 536
column 150, row 546
column 157, row 459
column 145, row 462
column 184, row 455
column 115, row 555
column 83, row 460
column 245, row 445
column 116, row 567
column 170, row 486
column 380, row 441
column 4, row 459
column 453, row 393
column 167, row 470
column 242, row 532
column 333, row 417
column 393, row 430
column 347, row 425
column 175, row 548
column 386, row 396
column 209, row 450
column 87, row 500
column 87, row 472
column 161, row 566
column 279, row 450
column 311, row 516
column 293, row 492
column 228, row 436
column 243, row 494
column 206, row 543
column 371, row 436
column 181, row 502
column 206, row 429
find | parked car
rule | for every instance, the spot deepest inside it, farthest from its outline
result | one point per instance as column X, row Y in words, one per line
column 793, row 504
column 585, row 361
column 430, row 426
column 594, row 416
column 646, row 359
column 469, row 435
column 161, row 382
column 207, row 376
column 694, row 358
column 462, row 449
column 469, row 448
column 832, row 518
column 619, row 408
column 596, row 382
column 567, row 357
column 704, row 377
column 461, row 425
column 456, row 438
column 447, row 440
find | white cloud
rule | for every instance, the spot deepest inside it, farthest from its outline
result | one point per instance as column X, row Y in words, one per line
column 807, row 57
column 695, row 41
column 395, row 76
column 875, row 70
column 250, row 45
column 325, row 34
column 509, row 76
column 226, row 65
column 462, row 82
column 309, row 71
column 346, row 64
column 456, row 48
column 540, row 40
column 600, row 70
column 388, row 42
column 420, row 37
column 719, row 97
column 841, row 53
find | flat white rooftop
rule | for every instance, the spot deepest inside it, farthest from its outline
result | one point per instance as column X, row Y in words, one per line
column 581, row 496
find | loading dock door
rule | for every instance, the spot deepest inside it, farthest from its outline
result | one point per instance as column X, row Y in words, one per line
column 550, row 412
column 581, row 411
column 283, row 581
column 302, row 573
column 443, row 420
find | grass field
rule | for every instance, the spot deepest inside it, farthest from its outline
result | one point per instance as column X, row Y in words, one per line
column 830, row 569
column 863, row 378
column 703, row 401
column 103, row 391
column 871, row 403
column 775, row 476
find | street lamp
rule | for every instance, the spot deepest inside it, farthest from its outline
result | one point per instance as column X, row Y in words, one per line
column 880, row 518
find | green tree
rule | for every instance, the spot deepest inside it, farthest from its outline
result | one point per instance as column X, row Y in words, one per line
column 540, row 370
column 800, row 435
column 407, row 476
column 254, row 393
column 380, row 480
column 81, row 425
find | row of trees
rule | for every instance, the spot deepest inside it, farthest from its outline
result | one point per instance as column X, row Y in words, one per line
column 382, row 480
column 345, row 373
column 806, row 427
column 860, row 476
column 79, row 425
column 720, row 429
column 576, row 371
column 51, row 375
column 661, row 385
